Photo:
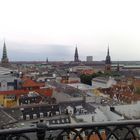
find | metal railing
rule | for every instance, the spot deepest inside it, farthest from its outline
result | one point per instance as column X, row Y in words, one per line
column 120, row 130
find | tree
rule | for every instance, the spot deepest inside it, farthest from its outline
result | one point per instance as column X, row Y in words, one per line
column 137, row 90
column 86, row 79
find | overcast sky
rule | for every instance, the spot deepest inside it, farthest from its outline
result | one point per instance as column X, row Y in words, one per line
column 36, row 29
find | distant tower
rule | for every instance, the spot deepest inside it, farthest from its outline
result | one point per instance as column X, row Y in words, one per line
column 76, row 57
column 108, row 62
column 47, row 60
column 4, row 60
column 118, row 67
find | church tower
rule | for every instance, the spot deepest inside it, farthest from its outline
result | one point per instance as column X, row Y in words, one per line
column 47, row 60
column 118, row 67
column 76, row 57
column 108, row 62
column 4, row 59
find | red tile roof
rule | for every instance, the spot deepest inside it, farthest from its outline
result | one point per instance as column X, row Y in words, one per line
column 16, row 92
column 45, row 91
column 88, row 72
column 31, row 83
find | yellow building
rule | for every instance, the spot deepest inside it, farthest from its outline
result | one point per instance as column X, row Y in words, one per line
column 9, row 103
column 11, row 98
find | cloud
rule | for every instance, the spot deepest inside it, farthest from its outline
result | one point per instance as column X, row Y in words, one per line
column 28, row 51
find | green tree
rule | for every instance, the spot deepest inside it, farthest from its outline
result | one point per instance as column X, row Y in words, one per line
column 86, row 79
column 138, row 90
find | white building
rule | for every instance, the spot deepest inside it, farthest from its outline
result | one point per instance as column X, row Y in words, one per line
column 111, row 115
column 97, row 116
column 8, row 82
column 130, row 110
column 89, row 58
column 5, row 71
column 80, row 68
column 102, row 82
column 81, row 86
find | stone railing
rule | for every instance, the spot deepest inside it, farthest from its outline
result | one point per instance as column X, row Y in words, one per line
column 121, row 130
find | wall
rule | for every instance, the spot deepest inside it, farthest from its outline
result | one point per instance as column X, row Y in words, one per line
column 9, row 103
column 1, row 99
column 4, row 80
column 85, row 117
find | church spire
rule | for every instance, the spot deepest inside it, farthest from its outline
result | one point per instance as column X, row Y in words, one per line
column 76, row 57
column 4, row 60
column 118, row 67
column 47, row 60
column 108, row 61
column 4, row 55
column 108, row 50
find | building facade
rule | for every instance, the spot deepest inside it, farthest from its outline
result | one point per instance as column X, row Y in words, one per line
column 89, row 58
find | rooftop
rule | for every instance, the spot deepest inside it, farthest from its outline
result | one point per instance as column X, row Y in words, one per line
column 30, row 83
column 43, row 91
column 81, row 86
column 6, row 119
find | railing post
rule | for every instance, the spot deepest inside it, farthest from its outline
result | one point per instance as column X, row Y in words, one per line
column 2, row 137
column 41, row 130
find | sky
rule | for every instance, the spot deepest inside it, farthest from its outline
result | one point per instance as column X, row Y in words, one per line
column 37, row 29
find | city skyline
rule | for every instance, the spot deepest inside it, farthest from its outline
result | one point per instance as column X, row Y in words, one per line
column 52, row 29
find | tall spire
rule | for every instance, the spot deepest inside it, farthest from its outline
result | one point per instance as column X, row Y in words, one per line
column 108, row 50
column 4, row 55
column 4, row 60
column 108, row 61
column 118, row 66
column 76, row 57
column 47, row 60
